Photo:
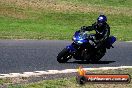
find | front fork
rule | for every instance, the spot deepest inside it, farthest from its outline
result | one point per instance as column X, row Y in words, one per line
column 71, row 48
column 76, row 51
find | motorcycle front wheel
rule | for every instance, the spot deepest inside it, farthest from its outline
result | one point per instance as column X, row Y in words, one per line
column 64, row 56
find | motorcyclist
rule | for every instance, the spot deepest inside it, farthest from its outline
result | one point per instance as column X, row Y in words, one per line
column 102, row 30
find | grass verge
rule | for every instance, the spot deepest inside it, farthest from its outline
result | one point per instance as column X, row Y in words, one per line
column 71, row 82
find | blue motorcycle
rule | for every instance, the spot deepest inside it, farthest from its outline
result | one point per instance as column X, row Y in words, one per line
column 83, row 48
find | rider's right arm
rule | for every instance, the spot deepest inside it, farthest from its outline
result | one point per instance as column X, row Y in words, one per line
column 88, row 28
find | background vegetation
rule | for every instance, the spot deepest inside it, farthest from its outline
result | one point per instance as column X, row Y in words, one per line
column 59, row 19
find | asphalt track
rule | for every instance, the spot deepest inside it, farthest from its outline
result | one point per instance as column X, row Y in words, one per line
column 17, row 56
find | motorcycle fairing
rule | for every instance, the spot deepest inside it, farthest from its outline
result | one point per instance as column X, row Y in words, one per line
column 80, row 39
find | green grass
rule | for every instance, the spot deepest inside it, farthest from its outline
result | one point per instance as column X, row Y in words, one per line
column 4, row 81
column 49, row 23
column 71, row 82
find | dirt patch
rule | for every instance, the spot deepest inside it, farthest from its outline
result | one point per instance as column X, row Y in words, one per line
column 66, row 7
column 12, row 12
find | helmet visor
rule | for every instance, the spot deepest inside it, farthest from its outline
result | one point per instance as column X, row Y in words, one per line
column 100, row 23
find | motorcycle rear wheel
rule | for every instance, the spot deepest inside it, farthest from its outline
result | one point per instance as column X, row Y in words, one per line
column 63, row 56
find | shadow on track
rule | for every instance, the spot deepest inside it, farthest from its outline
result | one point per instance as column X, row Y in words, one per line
column 85, row 62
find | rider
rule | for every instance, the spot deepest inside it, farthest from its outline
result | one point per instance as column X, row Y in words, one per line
column 102, row 30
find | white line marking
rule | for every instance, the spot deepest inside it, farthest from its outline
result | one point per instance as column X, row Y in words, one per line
column 128, row 41
column 38, row 73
